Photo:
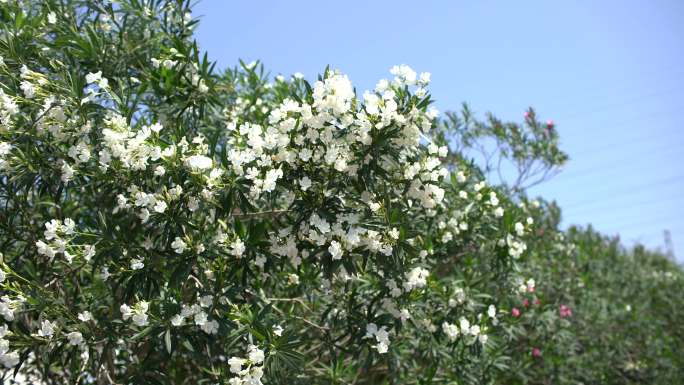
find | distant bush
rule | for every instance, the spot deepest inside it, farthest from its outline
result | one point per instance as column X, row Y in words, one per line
column 602, row 314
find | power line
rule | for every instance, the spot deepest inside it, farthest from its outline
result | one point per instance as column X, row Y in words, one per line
column 629, row 225
column 628, row 215
column 634, row 189
column 622, row 162
column 625, row 102
column 632, row 140
column 677, row 70
column 621, row 207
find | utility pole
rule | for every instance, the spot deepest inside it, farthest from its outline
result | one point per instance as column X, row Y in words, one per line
column 669, row 248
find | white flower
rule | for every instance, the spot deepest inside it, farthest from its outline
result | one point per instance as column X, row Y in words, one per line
column 47, row 329
column 199, row 162
column 305, row 183
column 450, row 330
column 67, row 172
column 236, row 364
column 416, row 278
column 335, row 250
column 137, row 264
column 201, row 318
column 160, row 206
column 178, row 245
column 237, row 248
column 292, row 279
column 372, row 102
column 404, row 75
column 7, row 307
column 278, row 330
column 138, row 314
column 519, row 228
column 75, row 338
column 156, row 127
column 95, row 77
column 498, row 212
column 465, row 326
column 88, row 252
column 85, row 316
column 210, row 327
column 126, row 311
column 333, row 93
column 140, row 319
column 206, row 300
column 28, row 88
column 491, row 311
column 255, row 354
column 177, row 320
column 5, row 148
column 381, row 336
column 382, row 347
column 10, row 360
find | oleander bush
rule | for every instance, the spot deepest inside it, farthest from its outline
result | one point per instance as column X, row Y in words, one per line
column 601, row 314
column 164, row 222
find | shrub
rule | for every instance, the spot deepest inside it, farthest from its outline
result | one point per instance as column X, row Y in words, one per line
column 166, row 224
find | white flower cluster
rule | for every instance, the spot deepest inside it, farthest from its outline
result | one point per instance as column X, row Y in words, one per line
column 198, row 315
column 381, row 336
column 98, row 83
column 5, row 149
column 31, row 82
column 47, row 329
column 57, row 233
column 8, row 358
column 253, row 369
column 138, row 313
column 528, row 286
column 145, row 203
column 465, row 329
column 8, row 108
column 129, row 147
column 416, row 278
column 8, row 306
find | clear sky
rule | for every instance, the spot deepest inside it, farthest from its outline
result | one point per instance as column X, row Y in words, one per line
column 609, row 73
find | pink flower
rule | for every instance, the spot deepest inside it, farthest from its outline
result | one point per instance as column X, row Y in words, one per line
column 526, row 302
column 537, row 301
column 565, row 311
column 550, row 123
column 536, row 352
column 527, row 115
column 515, row 312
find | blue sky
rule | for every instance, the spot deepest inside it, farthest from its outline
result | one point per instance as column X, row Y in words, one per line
column 609, row 73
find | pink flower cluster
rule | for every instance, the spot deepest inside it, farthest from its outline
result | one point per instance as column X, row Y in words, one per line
column 536, row 352
column 565, row 311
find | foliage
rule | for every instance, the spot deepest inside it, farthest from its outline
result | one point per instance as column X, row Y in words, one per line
column 604, row 314
column 164, row 223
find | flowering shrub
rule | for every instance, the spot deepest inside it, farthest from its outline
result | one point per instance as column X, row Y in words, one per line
column 165, row 224
column 599, row 314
